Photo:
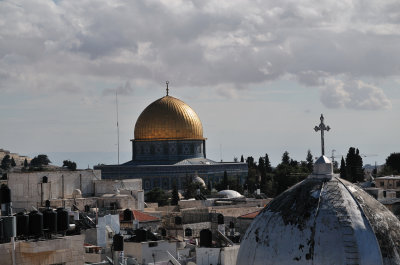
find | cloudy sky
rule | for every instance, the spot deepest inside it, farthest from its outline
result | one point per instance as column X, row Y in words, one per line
column 258, row 73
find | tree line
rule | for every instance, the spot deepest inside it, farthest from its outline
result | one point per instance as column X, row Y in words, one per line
column 38, row 163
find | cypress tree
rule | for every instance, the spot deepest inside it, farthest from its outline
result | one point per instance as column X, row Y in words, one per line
column 13, row 164
column 268, row 167
column 174, row 195
column 343, row 174
column 310, row 161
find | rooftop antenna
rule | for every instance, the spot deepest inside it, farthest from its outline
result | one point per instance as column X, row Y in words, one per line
column 333, row 155
column 116, row 101
column 220, row 151
column 322, row 127
column 167, row 82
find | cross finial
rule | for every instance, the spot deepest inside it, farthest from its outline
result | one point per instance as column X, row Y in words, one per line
column 322, row 127
column 167, row 82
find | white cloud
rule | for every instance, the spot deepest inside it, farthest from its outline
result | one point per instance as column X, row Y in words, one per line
column 354, row 94
column 123, row 90
column 199, row 43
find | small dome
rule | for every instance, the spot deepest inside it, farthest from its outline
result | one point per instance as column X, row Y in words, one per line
column 196, row 179
column 168, row 118
column 77, row 193
column 230, row 194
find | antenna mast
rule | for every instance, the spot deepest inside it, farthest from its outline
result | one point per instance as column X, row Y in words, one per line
column 116, row 101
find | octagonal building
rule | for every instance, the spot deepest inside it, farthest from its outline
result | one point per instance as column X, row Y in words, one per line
column 168, row 147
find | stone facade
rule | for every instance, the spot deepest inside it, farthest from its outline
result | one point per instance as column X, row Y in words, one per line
column 388, row 183
column 79, row 188
column 150, row 251
column 34, row 188
column 66, row 250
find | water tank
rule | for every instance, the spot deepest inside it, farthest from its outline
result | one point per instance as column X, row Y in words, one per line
column 62, row 219
column 220, row 218
column 1, row 230
column 118, row 241
column 163, row 231
column 22, row 224
column 205, row 238
column 5, row 194
column 141, row 235
column 188, row 232
column 178, row 220
column 128, row 215
column 9, row 226
column 35, row 223
column 50, row 220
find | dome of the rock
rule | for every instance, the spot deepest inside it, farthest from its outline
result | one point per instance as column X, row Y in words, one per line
column 168, row 118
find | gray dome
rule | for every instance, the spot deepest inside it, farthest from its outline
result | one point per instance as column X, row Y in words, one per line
column 230, row 194
column 196, row 179
column 322, row 220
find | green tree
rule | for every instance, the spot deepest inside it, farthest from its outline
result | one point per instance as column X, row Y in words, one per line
column 354, row 164
column 285, row 158
column 25, row 163
column 174, row 195
column 225, row 182
column 40, row 161
column 268, row 167
column 242, row 159
column 310, row 161
column 13, row 164
column 252, row 174
column 157, row 195
column 262, row 172
column 392, row 165
column 189, row 188
column 343, row 173
column 69, row 164
column 6, row 162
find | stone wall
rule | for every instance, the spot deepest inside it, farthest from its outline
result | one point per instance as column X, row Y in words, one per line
column 31, row 189
column 65, row 250
column 107, row 186
column 223, row 256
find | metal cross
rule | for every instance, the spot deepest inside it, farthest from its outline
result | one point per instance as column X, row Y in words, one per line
column 167, row 82
column 322, row 128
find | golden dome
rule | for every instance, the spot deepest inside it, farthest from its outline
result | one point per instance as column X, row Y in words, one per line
column 168, row 118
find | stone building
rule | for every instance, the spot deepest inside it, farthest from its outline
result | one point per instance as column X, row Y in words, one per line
column 66, row 250
column 169, row 147
column 388, row 183
column 66, row 188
